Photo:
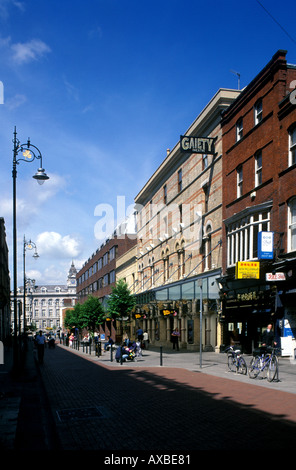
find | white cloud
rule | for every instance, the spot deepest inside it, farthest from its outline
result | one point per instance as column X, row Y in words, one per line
column 53, row 244
column 28, row 51
column 16, row 101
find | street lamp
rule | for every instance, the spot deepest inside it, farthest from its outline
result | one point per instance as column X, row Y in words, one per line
column 29, row 153
column 29, row 245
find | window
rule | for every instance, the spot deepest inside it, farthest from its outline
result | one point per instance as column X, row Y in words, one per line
column 105, row 259
column 112, row 253
column 292, row 225
column 106, row 280
column 112, row 277
column 292, row 146
column 205, row 161
column 207, row 241
column 258, row 168
column 165, row 195
column 242, row 236
column 258, row 112
column 179, row 181
column 239, row 129
column 239, row 180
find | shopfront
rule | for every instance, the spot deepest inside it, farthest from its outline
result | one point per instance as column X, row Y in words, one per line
column 161, row 310
column 248, row 305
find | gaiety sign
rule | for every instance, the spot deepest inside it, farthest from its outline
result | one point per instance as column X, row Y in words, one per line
column 197, row 144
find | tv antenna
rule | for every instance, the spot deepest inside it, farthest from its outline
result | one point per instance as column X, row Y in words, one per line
column 238, row 78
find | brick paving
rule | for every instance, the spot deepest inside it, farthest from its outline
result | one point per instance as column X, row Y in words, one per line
column 163, row 409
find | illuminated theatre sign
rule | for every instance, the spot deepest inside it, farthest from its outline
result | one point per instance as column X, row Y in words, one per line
column 197, row 144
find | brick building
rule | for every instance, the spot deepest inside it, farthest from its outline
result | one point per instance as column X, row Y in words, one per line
column 179, row 226
column 98, row 274
column 259, row 205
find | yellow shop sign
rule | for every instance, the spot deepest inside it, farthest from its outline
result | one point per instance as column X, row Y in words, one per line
column 247, row 270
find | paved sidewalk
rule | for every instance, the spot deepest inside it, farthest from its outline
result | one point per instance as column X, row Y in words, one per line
column 80, row 402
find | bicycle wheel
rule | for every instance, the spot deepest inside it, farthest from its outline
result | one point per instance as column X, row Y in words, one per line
column 254, row 367
column 272, row 369
column 242, row 366
column 231, row 361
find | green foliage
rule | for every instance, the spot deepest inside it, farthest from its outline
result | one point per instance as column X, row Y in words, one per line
column 121, row 301
column 92, row 313
column 72, row 317
column 88, row 315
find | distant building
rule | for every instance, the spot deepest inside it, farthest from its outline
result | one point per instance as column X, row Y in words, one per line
column 98, row 274
column 45, row 303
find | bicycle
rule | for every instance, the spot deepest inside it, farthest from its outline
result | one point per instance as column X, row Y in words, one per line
column 235, row 361
column 265, row 360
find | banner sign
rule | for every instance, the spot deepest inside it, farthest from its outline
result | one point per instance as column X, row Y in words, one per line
column 275, row 277
column 247, row 270
column 265, row 245
column 197, row 144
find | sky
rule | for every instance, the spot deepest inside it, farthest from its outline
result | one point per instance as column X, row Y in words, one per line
column 103, row 88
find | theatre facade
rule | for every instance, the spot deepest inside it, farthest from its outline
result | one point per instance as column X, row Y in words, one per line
column 179, row 231
column 259, row 209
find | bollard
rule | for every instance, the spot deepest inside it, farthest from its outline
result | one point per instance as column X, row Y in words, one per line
column 99, row 348
column 111, row 351
column 160, row 355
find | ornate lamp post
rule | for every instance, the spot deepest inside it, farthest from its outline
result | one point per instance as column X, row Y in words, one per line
column 29, row 245
column 29, row 153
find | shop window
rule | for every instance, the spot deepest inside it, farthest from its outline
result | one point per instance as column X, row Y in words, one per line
column 190, row 331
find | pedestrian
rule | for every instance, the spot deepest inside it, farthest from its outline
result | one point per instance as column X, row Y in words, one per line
column 145, row 339
column 175, row 339
column 126, row 339
column 110, row 342
column 40, row 341
column 71, row 339
column 268, row 337
column 140, row 334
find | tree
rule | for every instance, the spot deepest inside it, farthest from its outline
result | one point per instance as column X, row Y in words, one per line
column 92, row 313
column 121, row 301
column 73, row 317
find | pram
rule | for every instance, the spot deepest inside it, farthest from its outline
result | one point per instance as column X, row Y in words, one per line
column 124, row 354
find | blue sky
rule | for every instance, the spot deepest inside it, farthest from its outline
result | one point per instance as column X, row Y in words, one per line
column 103, row 88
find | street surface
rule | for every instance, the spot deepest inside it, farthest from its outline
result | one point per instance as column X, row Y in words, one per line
column 102, row 405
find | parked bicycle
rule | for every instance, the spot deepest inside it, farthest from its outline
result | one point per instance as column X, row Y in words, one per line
column 265, row 360
column 235, row 361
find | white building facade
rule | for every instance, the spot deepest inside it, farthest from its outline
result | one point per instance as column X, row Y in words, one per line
column 44, row 304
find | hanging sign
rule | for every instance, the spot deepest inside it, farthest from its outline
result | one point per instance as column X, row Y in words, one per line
column 197, row 144
column 275, row 277
column 265, row 245
column 247, row 270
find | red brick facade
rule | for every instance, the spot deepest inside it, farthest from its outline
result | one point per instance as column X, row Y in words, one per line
column 98, row 274
column 258, row 183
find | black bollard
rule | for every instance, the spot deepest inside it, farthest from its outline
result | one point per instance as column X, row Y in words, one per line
column 161, row 355
column 111, row 353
